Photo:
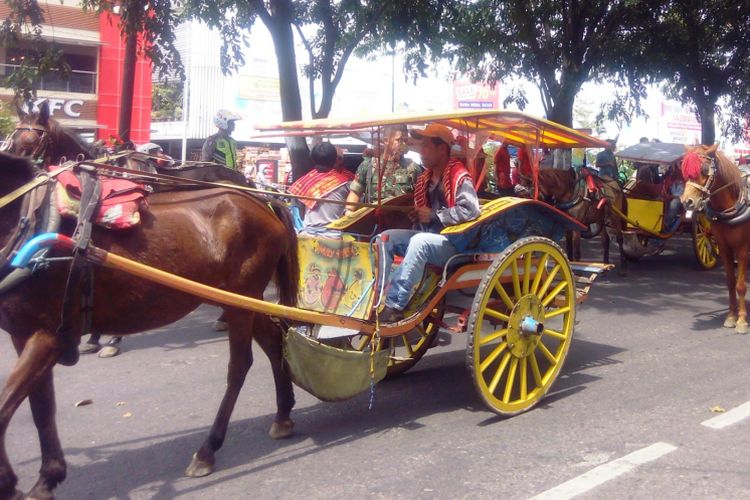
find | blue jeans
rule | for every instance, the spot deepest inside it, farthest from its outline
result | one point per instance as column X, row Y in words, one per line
column 418, row 249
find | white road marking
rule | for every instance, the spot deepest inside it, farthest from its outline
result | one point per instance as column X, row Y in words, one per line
column 605, row 472
column 731, row 417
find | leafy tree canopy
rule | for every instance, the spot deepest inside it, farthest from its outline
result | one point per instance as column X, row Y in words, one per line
column 701, row 50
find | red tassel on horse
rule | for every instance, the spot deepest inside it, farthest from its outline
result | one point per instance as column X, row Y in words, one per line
column 691, row 166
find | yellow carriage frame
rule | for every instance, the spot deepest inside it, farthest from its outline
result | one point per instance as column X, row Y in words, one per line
column 521, row 318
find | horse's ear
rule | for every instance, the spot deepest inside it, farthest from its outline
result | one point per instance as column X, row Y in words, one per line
column 712, row 149
column 43, row 114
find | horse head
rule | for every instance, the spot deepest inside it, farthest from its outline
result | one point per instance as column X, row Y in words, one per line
column 39, row 137
column 699, row 171
column 31, row 138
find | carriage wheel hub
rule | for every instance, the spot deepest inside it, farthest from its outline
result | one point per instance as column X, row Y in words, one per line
column 525, row 326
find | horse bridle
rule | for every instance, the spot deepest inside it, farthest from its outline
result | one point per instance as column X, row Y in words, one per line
column 37, row 154
column 707, row 191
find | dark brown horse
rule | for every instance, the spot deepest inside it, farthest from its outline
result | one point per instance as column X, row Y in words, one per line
column 569, row 192
column 46, row 142
column 715, row 184
column 220, row 237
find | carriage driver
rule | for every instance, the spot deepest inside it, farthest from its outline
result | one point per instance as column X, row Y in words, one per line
column 220, row 147
column 443, row 196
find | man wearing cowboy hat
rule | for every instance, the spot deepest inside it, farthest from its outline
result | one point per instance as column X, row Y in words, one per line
column 444, row 195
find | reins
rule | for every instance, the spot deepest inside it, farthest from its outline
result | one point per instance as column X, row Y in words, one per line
column 174, row 180
column 40, row 179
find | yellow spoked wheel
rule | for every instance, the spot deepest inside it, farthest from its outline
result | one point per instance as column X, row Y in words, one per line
column 521, row 325
column 704, row 245
column 408, row 348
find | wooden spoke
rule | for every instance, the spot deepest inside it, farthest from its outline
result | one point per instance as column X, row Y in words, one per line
column 511, row 380
column 559, row 288
column 524, row 373
column 499, row 372
column 555, row 334
column 497, row 314
column 407, row 344
column 546, row 353
column 535, row 370
column 549, row 280
column 557, row 312
column 540, row 268
column 516, row 280
column 493, row 356
column 493, row 336
column 526, row 272
column 503, row 295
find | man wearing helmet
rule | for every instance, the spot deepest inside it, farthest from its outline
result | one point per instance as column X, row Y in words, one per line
column 220, row 147
column 157, row 155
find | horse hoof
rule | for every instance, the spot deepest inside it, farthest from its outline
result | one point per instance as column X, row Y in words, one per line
column 730, row 322
column 220, row 326
column 281, row 430
column 109, row 351
column 741, row 328
column 199, row 468
column 89, row 348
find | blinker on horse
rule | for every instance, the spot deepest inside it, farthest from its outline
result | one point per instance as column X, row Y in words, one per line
column 716, row 185
column 220, row 237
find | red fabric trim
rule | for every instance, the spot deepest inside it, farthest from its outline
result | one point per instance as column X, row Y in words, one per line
column 691, row 166
column 454, row 175
column 317, row 184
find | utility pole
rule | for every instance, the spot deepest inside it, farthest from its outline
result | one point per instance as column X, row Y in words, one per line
column 128, row 84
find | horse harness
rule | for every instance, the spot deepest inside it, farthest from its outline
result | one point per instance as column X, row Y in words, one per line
column 42, row 143
column 737, row 214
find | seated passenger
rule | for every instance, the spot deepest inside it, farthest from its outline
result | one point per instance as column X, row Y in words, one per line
column 399, row 173
column 503, row 172
column 324, row 182
column 444, row 196
column 674, row 186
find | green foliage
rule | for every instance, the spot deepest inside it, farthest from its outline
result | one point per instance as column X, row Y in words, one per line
column 701, row 50
column 556, row 44
column 166, row 102
column 7, row 120
column 153, row 20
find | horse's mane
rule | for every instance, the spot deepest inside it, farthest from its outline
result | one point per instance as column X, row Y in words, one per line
column 726, row 170
column 551, row 177
column 61, row 136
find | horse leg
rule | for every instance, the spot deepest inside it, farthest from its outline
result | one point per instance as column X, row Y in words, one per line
column 569, row 244
column 54, row 469
column 240, row 360
column 32, row 373
column 728, row 257
column 268, row 335
column 576, row 245
column 623, row 259
column 741, row 289
column 605, row 244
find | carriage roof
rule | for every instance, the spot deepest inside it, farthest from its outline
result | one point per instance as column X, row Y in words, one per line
column 654, row 153
column 509, row 126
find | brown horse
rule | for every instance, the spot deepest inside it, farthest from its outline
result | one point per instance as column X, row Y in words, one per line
column 568, row 192
column 46, row 142
column 220, row 237
column 715, row 184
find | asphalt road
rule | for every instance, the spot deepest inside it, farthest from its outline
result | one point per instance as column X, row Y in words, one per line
column 649, row 361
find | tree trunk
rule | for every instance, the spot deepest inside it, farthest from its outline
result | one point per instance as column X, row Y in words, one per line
column 291, row 103
column 708, row 124
column 562, row 107
column 128, row 84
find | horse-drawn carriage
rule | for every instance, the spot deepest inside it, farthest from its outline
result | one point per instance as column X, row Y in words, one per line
column 650, row 220
column 520, row 316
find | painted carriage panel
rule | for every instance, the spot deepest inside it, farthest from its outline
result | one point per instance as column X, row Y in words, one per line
column 646, row 214
column 336, row 276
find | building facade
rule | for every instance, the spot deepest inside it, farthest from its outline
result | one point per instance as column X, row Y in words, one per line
column 89, row 100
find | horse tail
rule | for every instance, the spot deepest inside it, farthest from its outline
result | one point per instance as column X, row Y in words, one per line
column 287, row 271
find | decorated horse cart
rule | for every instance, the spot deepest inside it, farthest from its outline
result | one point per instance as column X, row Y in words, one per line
column 511, row 289
column 647, row 207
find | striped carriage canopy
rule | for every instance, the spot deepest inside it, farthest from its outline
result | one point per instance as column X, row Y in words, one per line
column 513, row 127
